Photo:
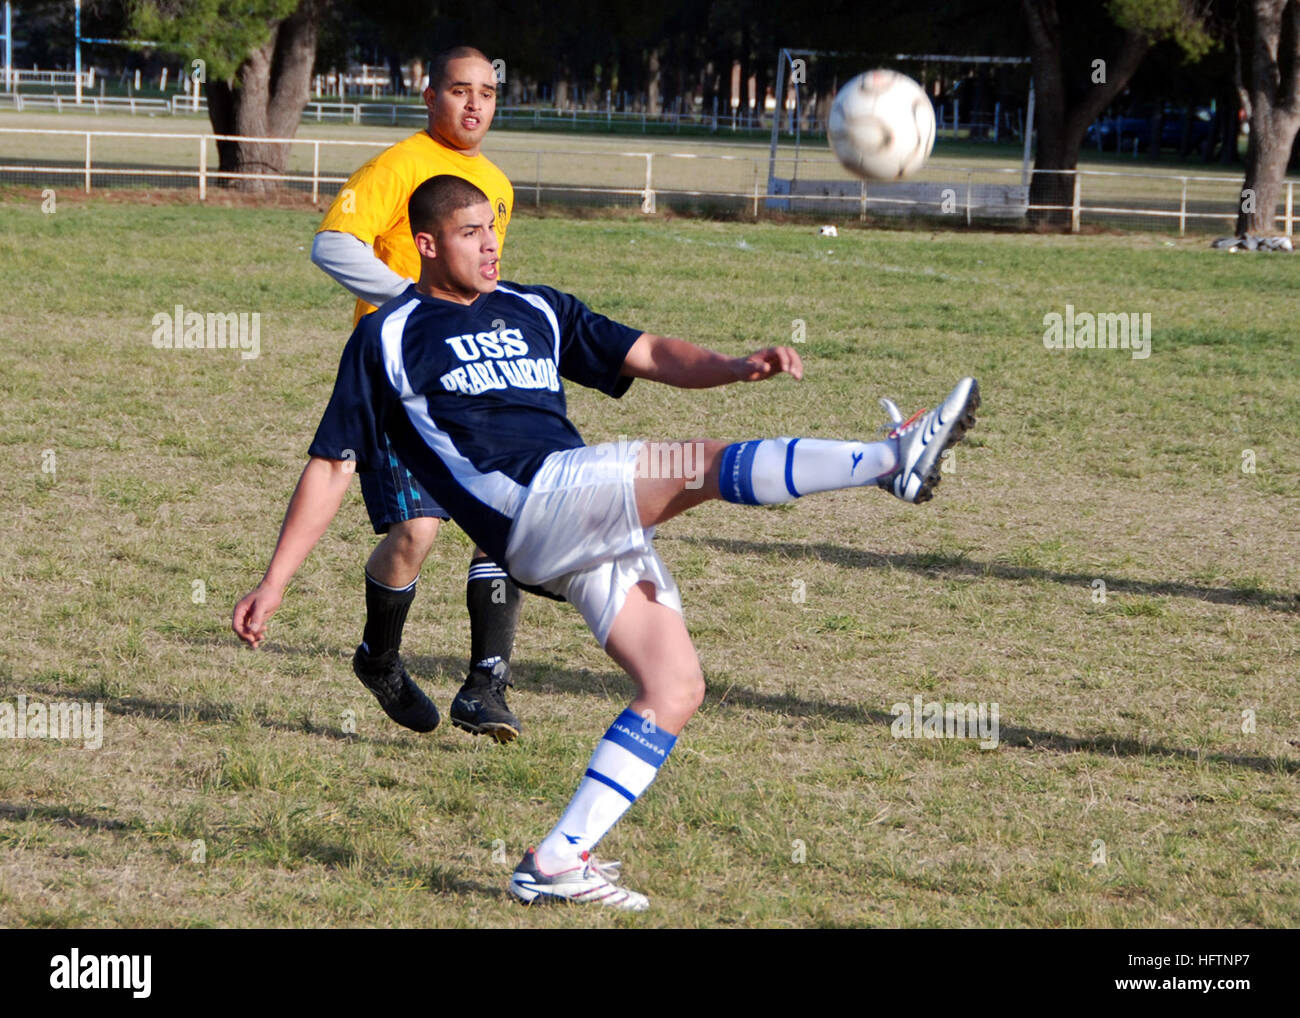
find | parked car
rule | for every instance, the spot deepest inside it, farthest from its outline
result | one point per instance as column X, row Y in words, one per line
column 1116, row 133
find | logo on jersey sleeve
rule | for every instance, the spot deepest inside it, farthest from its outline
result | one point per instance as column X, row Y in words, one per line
column 496, row 360
column 503, row 217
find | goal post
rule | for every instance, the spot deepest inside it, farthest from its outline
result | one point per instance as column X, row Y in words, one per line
column 807, row 80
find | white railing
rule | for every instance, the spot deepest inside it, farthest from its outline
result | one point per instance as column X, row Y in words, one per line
column 34, row 76
column 394, row 113
column 595, row 176
column 99, row 104
column 1182, row 213
column 1002, row 193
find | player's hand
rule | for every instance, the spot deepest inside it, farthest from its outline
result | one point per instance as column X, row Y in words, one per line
column 766, row 363
column 252, row 613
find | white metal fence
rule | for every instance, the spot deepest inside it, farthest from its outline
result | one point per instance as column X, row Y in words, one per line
column 605, row 118
column 1083, row 198
column 60, row 103
column 395, row 114
column 318, row 167
column 587, row 111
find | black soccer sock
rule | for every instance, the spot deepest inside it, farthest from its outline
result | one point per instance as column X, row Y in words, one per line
column 493, row 602
column 386, row 610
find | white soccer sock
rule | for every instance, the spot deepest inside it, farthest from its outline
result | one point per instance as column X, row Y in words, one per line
column 771, row 470
column 624, row 764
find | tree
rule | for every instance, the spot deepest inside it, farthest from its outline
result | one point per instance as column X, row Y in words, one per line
column 1073, row 86
column 256, row 58
column 1272, row 98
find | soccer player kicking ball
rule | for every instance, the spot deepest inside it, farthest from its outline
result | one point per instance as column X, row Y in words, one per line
column 462, row 372
column 365, row 244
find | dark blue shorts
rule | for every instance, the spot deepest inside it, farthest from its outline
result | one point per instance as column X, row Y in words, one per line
column 392, row 495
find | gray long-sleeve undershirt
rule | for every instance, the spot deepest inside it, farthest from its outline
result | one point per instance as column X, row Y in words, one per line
column 352, row 263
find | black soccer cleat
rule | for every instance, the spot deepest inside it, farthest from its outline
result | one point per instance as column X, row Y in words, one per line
column 480, row 706
column 397, row 693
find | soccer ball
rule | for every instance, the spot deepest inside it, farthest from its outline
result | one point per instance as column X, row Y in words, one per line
column 882, row 126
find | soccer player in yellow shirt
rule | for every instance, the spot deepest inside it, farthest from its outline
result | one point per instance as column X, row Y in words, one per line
column 365, row 244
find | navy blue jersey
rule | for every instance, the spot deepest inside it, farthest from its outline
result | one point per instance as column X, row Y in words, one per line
column 470, row 396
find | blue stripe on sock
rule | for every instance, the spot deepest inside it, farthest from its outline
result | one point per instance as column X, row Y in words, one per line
column 746, row 472
column 789, row 468
column 735, row 480
column 628, row 732
column 597, row 776
column 726, row 485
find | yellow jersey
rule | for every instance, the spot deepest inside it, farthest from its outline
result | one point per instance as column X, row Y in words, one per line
column 372, row 204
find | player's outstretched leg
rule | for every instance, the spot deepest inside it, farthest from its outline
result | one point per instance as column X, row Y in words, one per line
column 774, row 470
column 493, row 602
column 649, row 640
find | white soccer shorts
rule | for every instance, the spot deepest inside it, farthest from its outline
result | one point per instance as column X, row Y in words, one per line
column 578, row 534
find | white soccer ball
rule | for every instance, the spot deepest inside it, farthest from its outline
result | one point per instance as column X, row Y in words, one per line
column 882, row 126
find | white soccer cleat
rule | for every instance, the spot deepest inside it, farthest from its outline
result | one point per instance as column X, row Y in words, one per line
column 589, row 882
column 923, row 438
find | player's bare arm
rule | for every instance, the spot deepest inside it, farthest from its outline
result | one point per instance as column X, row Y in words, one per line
column 685, row 365
column 314, row 504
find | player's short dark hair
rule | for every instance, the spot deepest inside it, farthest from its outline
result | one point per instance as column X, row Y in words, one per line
column 433, row 202
column 438, row 65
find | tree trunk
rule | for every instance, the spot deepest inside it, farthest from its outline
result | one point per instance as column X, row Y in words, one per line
column 760, row 92
column 1267, row 154
column 266, row 101
column 1274, row 109
column 708, row 89
column 1060, row 126
column 652, row 84
column 742, row 103
column 726, row 61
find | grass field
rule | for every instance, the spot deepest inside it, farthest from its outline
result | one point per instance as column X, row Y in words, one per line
column 1149, row 740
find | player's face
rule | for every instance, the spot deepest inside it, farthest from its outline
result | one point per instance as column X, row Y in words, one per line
column 465, row 253
column 461, row 107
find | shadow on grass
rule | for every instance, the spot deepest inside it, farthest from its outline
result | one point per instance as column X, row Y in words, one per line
column 63, row 815
column 1112, row 745
column 206, row 710
column 446, row 880
column 333, row 853
column 1008, row 735
column 530, row 676
column 959, row 565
